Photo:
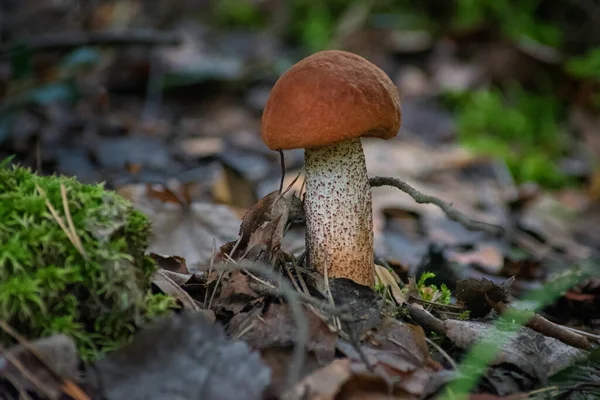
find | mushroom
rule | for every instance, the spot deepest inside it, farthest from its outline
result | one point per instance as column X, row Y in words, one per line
column 325, row 103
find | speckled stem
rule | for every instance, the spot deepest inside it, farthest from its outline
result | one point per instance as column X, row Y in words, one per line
column 338, row 208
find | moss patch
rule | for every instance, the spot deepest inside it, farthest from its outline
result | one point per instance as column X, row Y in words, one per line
column 48, row 286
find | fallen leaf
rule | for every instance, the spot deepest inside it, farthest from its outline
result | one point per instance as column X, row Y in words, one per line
column 184, row 357
column 187, row 231
column 385, row 278
column 474, row 294
column 171, row 288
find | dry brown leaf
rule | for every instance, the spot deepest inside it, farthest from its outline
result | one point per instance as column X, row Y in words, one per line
column 187, row 231
column 384, row 277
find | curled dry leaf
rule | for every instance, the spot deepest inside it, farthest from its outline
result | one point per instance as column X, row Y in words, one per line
column 385, row 277
column 261, row 230
column 171, row 288
column 477, row 294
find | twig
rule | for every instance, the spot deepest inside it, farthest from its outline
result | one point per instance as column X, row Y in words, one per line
column 76, row 239
column 65, row 384
column 583, row 333
column 41, row 386
column 545, row 327
column 442, row 352
column 447, row 208
column 72, row 237
column 425, row 319
column 131, row 37
column 282, row 161
column 210, row 268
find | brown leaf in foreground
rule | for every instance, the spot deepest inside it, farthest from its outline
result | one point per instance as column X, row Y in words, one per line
column 345, row 379
column 398, row 355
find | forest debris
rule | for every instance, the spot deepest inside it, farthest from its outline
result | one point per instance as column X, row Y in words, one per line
column 19, row 365
column 385, row 278
column 545, row 327
column 171, row 288
column 346, row 379
column 275, row 328
column 236, row 293
column 397, row 353
column 362, row 305
column 261, row 230
column 537, row 355
column 181, row 226
column 202, row 363
column 476, row 295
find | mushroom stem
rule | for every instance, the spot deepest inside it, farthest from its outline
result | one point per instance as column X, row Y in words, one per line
column 338, row 209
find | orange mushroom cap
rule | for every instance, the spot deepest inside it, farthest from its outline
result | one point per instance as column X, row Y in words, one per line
column 327, row 98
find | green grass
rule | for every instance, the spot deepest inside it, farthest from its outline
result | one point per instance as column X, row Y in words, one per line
column 518, row 126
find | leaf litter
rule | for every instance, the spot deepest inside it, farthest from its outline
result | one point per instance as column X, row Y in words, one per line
column 249, row 275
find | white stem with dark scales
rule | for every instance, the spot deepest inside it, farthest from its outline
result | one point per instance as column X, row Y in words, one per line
column 338, row 208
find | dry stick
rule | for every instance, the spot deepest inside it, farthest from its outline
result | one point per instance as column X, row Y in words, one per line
column 282, row 161
column 442, row 352
column 210, row 268
column 41, row 386
column 65, row 201
column 447, row 208
column 212, row 297
column 425, row 319
column 31, row 348
column 292, row 298
column 545, row 327
column 59, row 220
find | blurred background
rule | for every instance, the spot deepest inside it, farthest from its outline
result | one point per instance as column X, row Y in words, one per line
column 500, row 104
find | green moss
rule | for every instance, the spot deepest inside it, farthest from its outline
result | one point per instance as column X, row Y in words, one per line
column 47, row 286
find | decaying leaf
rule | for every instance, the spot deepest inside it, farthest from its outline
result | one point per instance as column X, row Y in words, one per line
column 236, row 292
column 397, row 352
column 182, row 357
column 274, row 334
column 170, row 287
column 346, row 379
column 477, row 294
column 182, row 229
column 261, row 230
column 276, row 328
column 361, row 304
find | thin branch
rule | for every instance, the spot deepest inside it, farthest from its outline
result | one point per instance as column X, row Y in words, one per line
column 282, row 161
column 450, row 211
